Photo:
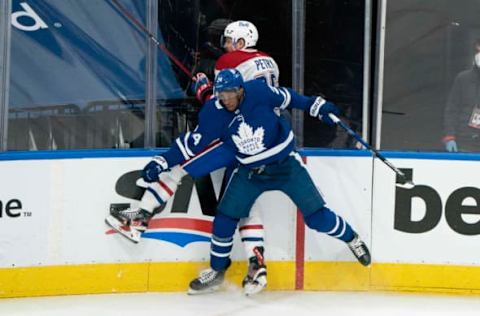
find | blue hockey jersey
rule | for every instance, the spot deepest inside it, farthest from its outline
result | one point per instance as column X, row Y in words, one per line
column 255, row 133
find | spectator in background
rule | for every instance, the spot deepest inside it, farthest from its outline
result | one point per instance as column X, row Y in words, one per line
column 462, row 111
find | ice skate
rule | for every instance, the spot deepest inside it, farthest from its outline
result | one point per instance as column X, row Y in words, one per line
column 209, row 281
column 360, row 250
column 256, row 279
column 130, row 223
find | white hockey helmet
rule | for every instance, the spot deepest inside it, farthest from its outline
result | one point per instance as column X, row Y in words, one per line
column 242, row 29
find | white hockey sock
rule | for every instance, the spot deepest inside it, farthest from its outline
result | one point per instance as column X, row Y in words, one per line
column 158, row 193
column 252, row 234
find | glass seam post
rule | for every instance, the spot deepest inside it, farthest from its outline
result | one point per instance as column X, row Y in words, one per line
column 379, row 74
column 298, row 63
column 366, row 68
column 5, row 38
column 151, row 76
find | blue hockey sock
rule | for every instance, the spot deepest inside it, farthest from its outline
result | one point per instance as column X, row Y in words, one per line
column 326, row 221
column 222, row 241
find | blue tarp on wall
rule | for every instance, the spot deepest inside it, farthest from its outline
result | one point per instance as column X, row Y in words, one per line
column 77, row 51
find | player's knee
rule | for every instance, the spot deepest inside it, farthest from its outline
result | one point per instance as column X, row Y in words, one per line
column 320, row 220
column 167, row 184
column 230, row 207
column 224, row 225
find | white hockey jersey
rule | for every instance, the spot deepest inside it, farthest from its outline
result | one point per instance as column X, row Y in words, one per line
column 252, row 64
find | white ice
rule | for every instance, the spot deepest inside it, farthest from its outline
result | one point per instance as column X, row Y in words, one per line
column 232, row 302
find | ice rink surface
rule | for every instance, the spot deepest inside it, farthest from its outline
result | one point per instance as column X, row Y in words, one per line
column 232, row 302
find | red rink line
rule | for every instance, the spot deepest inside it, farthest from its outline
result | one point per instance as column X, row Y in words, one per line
column 300, row 248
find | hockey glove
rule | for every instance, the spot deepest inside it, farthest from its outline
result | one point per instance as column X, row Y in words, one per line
column 450, row 143
column 322, row 108
column 153, row 169
column 202, row 87
column 451, row 146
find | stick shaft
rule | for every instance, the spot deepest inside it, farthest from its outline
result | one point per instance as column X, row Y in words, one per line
column 366, row 145
column 162, row 47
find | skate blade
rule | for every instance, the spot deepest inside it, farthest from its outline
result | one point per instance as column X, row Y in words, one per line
column 252, row 288
column 131, row 234
column 206, row 291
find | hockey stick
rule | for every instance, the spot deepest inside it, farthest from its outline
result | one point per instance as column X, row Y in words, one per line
column 407, row 184
column 162, row 47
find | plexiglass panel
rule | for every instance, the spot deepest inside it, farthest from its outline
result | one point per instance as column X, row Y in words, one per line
column 431, row 84
column 334, row 67
column 78, row 75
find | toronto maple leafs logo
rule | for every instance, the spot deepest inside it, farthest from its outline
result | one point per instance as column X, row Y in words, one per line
column 247, row 141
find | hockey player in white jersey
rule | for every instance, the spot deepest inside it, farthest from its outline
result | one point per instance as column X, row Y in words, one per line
column 239, row 39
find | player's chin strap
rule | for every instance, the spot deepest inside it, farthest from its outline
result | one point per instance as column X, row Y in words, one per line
column 405, row 182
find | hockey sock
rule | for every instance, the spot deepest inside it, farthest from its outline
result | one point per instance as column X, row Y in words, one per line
column 222, row 241
column 158, row 193
column 326, row 221
column 252, row 234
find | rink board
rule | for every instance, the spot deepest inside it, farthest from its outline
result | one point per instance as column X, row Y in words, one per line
column 54, row 240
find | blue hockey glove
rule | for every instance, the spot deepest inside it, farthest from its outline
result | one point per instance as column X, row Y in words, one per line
column 451, row 146
column 202, row 87
column 153, row 169
column 323, row 108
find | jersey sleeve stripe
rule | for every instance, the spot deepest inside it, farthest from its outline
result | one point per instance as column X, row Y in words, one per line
column 287, row 98
column 216, row 143
column 182, row 149
column 185, row 143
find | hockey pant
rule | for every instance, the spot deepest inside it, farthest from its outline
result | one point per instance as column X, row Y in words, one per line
column 289, row 176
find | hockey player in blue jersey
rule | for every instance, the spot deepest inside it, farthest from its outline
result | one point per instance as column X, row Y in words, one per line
column 243, row 123
column 240, row 38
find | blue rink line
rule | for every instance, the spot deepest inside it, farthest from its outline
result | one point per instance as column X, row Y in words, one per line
column 311, row 152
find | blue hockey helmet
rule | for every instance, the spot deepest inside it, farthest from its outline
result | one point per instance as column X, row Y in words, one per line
column 229, row 79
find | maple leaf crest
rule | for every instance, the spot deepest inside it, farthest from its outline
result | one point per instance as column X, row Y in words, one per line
column 247, row 141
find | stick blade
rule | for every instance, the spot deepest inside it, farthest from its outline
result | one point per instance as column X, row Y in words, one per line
column 406, row 185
